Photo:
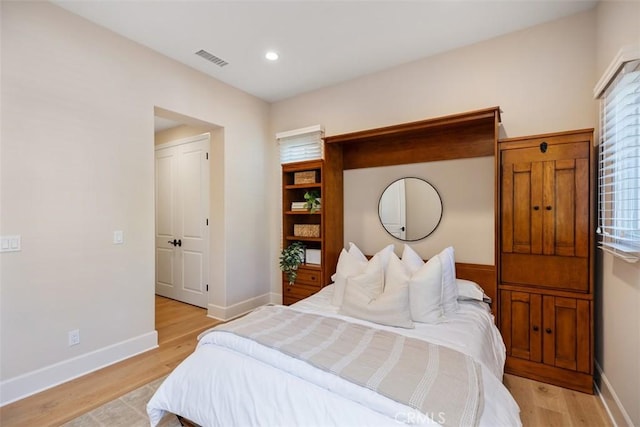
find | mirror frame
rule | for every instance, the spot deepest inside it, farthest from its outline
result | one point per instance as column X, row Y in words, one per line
column 436, row 224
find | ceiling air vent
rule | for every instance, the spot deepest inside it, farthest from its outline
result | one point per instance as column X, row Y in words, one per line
column 212, row 58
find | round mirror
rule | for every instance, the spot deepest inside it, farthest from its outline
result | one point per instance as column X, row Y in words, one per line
column 410, row 209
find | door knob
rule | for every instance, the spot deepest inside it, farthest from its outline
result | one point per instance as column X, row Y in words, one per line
column 535, row 329
column 535, row 208
column 175, row 242
column 548, row 330
column 548, row 208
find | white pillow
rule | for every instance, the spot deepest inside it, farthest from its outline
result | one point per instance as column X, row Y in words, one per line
column 468, row 290
column 384, row 253
column 449, row 287
column 367, row 285
column 390, row 307
column 355, row 251
column 348, row 265
column 396, row 273
column 425, row 292
column 411, row 259
column 354, row 262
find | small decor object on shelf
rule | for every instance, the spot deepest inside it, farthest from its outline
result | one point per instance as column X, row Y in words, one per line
column 306, row 177
column 299, row 206
column 306, row 230
column 290, row 259
column 313, row 256
column 312, row 200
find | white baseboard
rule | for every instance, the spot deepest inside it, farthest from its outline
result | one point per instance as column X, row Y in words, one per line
column 238, row 309
column 275, row 298
column 39, row 380
column 612, row 404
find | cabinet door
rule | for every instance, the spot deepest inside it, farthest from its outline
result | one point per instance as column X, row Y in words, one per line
column 520, row 323
column 566, row 323
column 545, row 200
column 521, row 190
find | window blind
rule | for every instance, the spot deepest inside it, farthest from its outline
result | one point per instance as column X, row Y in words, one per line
column 619, row 165
column 301, row 144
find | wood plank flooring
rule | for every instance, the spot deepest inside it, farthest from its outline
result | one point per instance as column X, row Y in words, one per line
column 178, row 325
column 551, row 406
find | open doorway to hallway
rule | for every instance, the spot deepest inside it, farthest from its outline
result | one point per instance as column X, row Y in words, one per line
column 188, row 182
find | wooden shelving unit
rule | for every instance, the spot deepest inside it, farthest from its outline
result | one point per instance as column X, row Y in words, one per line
column 312, row 277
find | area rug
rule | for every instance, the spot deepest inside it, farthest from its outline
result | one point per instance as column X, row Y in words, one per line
column 129, row 410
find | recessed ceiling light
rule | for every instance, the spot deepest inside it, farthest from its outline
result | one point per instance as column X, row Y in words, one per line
column 271, row 55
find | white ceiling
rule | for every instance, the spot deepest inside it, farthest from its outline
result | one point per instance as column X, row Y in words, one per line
column 320, row 43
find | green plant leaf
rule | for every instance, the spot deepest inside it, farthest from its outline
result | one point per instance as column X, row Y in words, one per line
column 290, row 259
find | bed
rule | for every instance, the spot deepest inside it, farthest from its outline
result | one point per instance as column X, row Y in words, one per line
column 237, row 380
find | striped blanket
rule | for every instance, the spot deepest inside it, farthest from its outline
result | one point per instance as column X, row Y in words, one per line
column 435, row 380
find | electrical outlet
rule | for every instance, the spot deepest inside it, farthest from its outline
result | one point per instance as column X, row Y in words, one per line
column 74, row 337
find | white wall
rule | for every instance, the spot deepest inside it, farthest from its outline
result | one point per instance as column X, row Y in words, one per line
column 468, row 211
column 541, row 78
column 76, row 164
column 617, row 282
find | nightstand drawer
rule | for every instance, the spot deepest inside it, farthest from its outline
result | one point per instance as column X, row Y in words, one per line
column 308, row 276
column 298, row 290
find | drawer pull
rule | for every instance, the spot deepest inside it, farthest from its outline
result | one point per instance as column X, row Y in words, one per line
column 548, row 330
column 535, row 329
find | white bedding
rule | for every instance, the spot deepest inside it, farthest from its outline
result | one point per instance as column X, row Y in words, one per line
column 218, row 386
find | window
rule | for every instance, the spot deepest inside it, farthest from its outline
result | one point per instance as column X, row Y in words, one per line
column 301, row 144
column 619, row 164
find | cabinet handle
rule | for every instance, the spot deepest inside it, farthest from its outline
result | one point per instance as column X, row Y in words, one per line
column 548, row 330
column 548, row 208
column 536, row 208
column 313, row 277
column 535, row 329
column 543, row 147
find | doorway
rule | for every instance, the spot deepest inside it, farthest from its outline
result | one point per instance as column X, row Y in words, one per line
column 182, row 179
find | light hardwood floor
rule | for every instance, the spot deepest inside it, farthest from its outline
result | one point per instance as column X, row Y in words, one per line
column 551, row 406
column 178, row 325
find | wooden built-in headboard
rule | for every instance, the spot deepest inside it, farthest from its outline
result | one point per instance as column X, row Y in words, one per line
column 484, row 275
column 458, row 136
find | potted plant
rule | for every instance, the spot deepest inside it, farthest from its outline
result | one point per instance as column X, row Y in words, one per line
column 312, row 199
column 290, row 259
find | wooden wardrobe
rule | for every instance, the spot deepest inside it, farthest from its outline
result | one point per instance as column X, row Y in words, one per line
column 545, row 228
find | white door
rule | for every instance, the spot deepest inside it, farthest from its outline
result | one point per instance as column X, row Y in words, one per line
column 182, row 212
column 392, row 209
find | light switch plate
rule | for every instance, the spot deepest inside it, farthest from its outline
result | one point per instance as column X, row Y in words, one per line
column 118, row 237
column 10, row 243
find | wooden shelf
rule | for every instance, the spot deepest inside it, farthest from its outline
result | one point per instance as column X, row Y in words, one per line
column 457, row 136
column 304, row 239
column 318, row 212
column 302, row 186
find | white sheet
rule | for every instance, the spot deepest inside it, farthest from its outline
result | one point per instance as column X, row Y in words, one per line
column 216, row 386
